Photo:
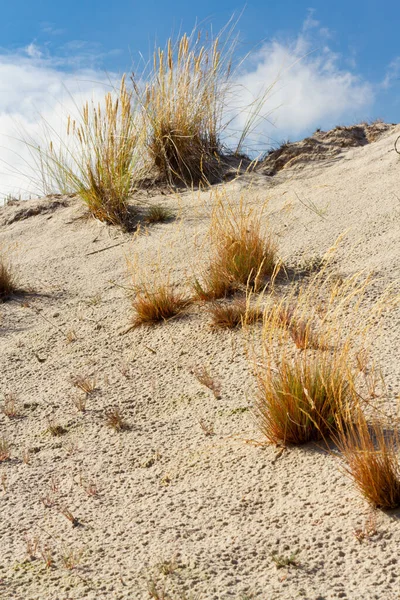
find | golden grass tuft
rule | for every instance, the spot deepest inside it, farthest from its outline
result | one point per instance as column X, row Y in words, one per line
column 302, row 399
column 157, row 303
column 183, row 104
column 372, row 460
column 242, row 254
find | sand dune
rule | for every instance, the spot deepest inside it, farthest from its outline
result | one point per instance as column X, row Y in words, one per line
column 177, row 511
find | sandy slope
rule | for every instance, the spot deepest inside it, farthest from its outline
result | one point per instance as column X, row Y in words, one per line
column 211, row 509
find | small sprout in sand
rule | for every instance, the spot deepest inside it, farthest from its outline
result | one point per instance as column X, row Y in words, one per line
column 46, row 553
column 207, row 428
column 71, row 336
column 156, row 305
column 80, row 403
column 235, row 314
column 10, row 406
column 4, row 450
column 48, row 500
column 168, row 567
column 369, row 528
column 31, row 546
column 89, row 486
column 86, row 384
column 114, row 419
column 204, row 377
column 55, row 429
column 282, row 561
column 157, row 591
column 158, row 214
column 68, row 515
column 71, row 557
column 26, row 456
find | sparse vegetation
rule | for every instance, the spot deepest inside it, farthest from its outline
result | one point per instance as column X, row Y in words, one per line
column 282, row 561
column 55, row 429
column 100, row 159
column 182, row 106
column 10, row 407
column 84, row 383
column 204, row 377
column 4, row 449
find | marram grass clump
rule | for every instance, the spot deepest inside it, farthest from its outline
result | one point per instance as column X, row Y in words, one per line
column 8, row 284
column 302, row 398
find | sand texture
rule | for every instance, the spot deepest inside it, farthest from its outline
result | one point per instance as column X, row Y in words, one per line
column 187, row 502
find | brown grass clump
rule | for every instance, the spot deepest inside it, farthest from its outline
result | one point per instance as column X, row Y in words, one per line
column 100, row 159
column 236, row 314
column 302, row 399
column 4, row 449
column 371, row 453
column 242, row 255
column 183, row 104
column 114, row 419
column 156, row 304
column 8, row 283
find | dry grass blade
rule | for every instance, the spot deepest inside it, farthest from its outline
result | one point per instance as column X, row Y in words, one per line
column 204, row 377
column 302, row 399
column 233, row 315
column 86, row 384
column 10, row 406
column 4, row 450
column 372, row 460
column 157, row 304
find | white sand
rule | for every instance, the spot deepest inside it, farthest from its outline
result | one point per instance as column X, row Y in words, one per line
column 216, row 506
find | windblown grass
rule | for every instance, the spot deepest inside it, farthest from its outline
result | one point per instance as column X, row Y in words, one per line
column 242, row 255
column 101, row 157
column 372, row 460
column 183, row 104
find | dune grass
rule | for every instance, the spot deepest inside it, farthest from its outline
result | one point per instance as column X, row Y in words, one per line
column 100, row 159
column 372, row 459
column 183, row 102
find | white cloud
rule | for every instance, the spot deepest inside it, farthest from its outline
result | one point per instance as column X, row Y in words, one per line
column 392, row 73
column 36, row 90
column 33, row 51
column 310, row 90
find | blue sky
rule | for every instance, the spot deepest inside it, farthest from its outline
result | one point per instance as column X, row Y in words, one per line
column 335, row 61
